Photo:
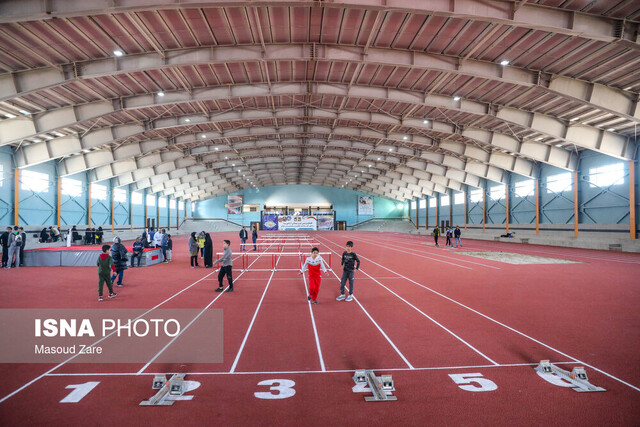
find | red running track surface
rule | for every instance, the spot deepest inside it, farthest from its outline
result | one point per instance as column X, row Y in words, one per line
column 421, row 314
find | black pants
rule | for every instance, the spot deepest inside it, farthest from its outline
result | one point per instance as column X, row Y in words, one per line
column 436, row 239
column 134, row 256
column 21, row 255
column 194, row 260
column 5, row 255
column 225, row 270
column 449, row 241
column 346, row 274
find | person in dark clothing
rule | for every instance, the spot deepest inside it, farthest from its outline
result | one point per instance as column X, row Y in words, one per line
column 119, row 255
column 254, row 237
column 98, row 235
column 137, row 251
column 436, row 234
column 144, row 240
column 87, row 236
column 169, row 247
column 243, row 238
column 24, row 242
column 449, row 236
column 456, row 234
column 208, row 251
column 226, row 269
column 74, row 234
column 164, row 242
column 4, row 239
column 350, row 261
column 44, row 236
column 105, row 266
column 92, row 236
column 193, row 250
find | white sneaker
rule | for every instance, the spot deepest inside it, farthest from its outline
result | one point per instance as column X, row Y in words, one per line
column 349, row 298
column 340, row 298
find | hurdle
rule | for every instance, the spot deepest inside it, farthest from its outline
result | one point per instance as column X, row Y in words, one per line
column 275, row 256
column 381, row 387
column 577, row 377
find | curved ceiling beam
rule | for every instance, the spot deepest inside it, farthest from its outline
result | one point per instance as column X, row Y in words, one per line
column 526, row 127
column 511, row 12
column 449, row 74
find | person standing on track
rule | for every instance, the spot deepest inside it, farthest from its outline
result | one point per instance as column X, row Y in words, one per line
column 24, row 242
column 193, row 249
column 254, row 237
column 436, row 234
column 208, row 251
column 314, row 264
column 4, row 239
column 227, row 262
column 119, row 255
column 449, row 234
column 201, row 244
column 349, row 261
column 243, row 238
column 105, row 266
column 456, row 234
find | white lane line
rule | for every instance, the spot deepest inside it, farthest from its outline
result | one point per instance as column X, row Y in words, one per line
column 315, row 331
column 402, row 242
column 100, row 340
column 429, row 317
column 379, row 328
column 502, row 324
column 433, row 368
column 246, row 336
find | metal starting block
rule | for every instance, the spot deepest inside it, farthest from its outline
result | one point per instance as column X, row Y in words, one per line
column 174, row 387
column 577, row 377
column 380, row 387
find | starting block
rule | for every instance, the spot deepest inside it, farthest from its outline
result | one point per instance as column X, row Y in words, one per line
column 381, row 387
column 577, row 377
column 174, row 387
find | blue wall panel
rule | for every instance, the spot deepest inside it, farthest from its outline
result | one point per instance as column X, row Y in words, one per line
column 38, row 207
column 344, row 203
column 6, row 187
column 73, row 209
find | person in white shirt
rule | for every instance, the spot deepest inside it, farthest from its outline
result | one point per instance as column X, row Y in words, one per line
column 314, row 264
column 157, row 238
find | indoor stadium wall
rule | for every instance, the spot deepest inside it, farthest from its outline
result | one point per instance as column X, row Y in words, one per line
column 344, row 201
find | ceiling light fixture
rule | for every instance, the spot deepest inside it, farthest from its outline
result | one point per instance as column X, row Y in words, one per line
column 9, row 115
column 504, row 62
column 26, row 113
column 574, row 119
column 456, row 98
column 425, row 121
column 405, row 137
column 390, row 149
column 118, row 52
column 204, row 136
column 187, row 120
column 611, row 129
column 160, row 93
column 539, row 139
column 216, row 148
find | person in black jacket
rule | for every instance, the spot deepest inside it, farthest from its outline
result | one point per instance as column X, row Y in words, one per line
column 24, row 242
column 243, row 238
column 4, row 239
column 456, row 234
column 119, row 255
column 254, row 237
column 350, row 261
column 208, row 251
column 44, row 236
column 75, row 235
column 98, row 234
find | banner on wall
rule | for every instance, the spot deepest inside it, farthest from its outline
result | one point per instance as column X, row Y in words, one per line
column 365, row 205
column 297, row 222
column 269, row 222
column 325, row 222
column 234, row 204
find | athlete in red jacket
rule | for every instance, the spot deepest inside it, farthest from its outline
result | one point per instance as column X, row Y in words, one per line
column 314, row 264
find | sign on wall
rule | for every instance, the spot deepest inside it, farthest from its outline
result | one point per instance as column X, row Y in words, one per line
column 325, row 222
column 297, row 222
column 234, row 204
column 269, row 222
column 365, row 205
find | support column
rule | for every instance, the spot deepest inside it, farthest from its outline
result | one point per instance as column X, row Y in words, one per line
column 178, row 215
column 169, row 212
column 113, row 216
column 426, row 213
column 130, row 208
column 506, row 191
column 632, row 199
column 438, row 210
column 450, row 206
column 484, row 210
column 417, row 210
column 59, row 202
column 537, row 206
column 146, row 208
column 16, row 197
column 465, row 210
column 575, row 203
column 89, row 205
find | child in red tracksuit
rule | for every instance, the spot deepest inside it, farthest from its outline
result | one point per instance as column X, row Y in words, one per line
column 314, row 264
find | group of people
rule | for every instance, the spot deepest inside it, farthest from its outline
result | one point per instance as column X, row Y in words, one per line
column 201, row 244
column 450, row 233
column 156, row 239
column 13, row 241
column 51, row 234
column 91, row 235
column 112, row 263
column 244, row 235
